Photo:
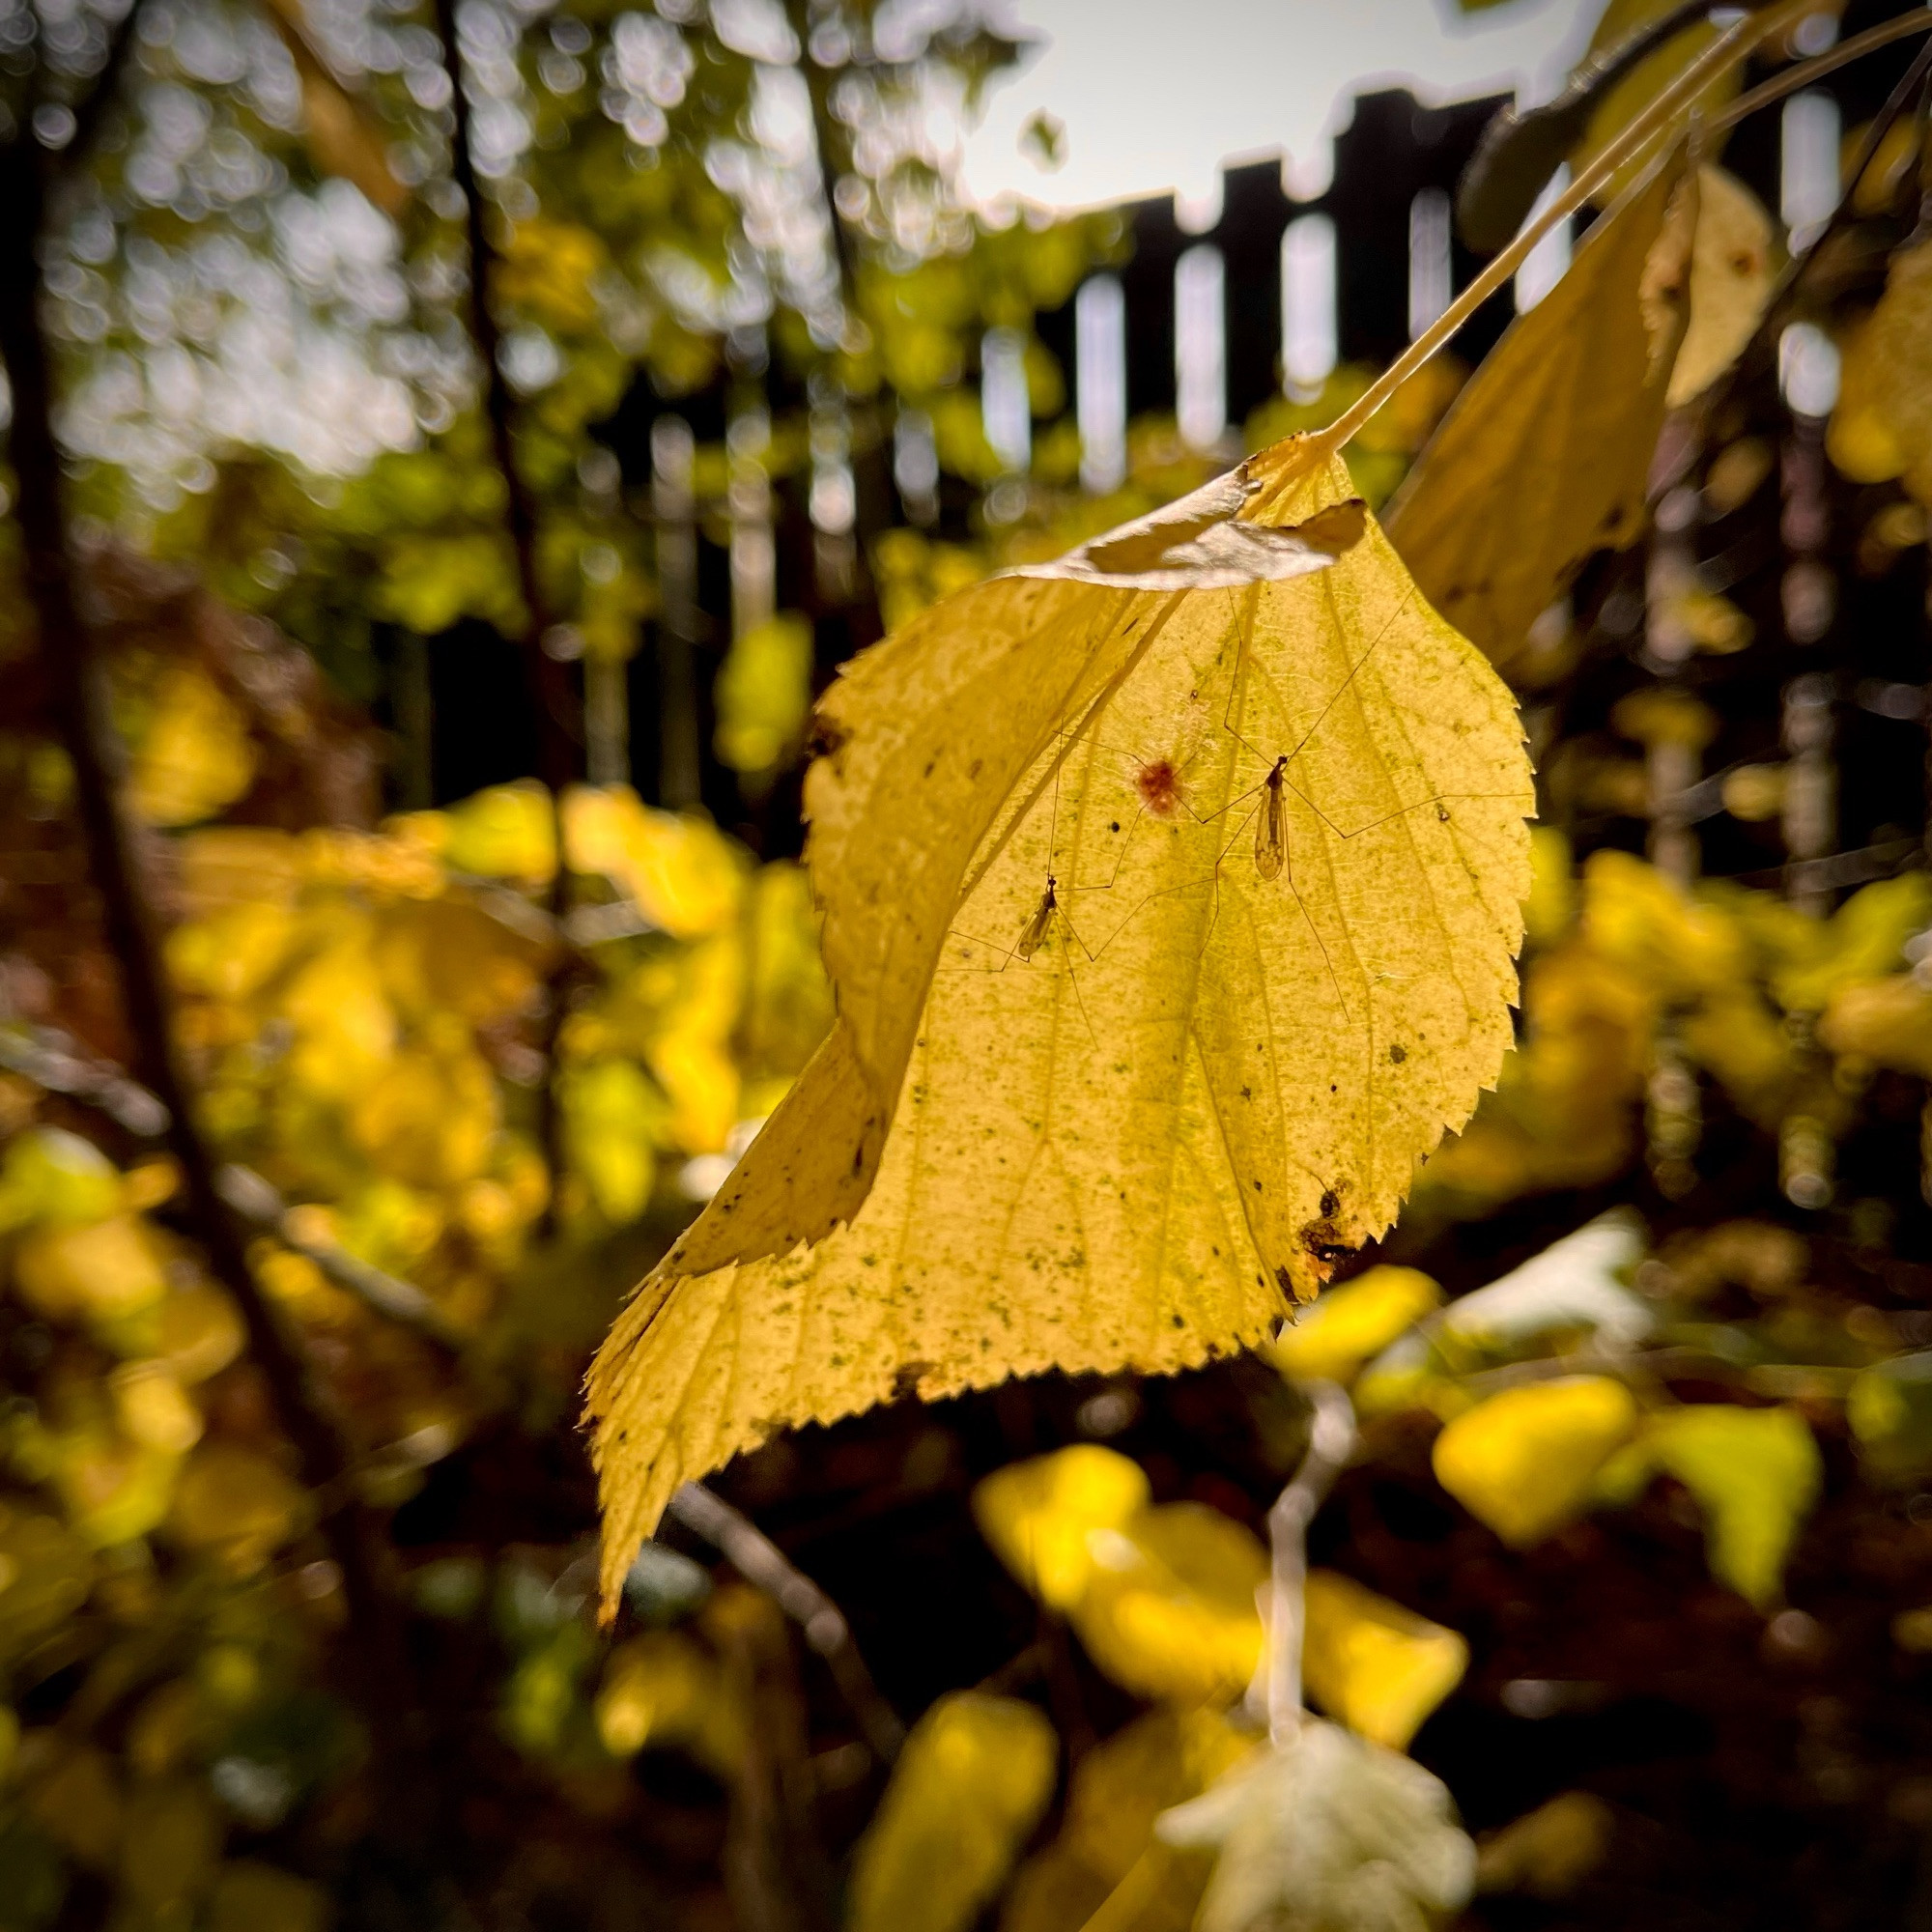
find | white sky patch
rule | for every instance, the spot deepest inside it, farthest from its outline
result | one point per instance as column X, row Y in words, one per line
column 1154, row 96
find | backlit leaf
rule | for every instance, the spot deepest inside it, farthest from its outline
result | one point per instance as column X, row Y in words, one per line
column 974, row 1775
column 1327, row 1833
column 1350, row 1324
column 1882, row 424
column 1523, row 1461
column 1169, row 1609
column 1756, row 1473
column 1036, row 1515
column 1209, row 1076
column 1731, row 270
column 1498, row 515
column 1378, row 1667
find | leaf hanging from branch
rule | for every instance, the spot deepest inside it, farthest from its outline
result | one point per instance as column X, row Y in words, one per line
column 1222, row 885
column 1499, row 512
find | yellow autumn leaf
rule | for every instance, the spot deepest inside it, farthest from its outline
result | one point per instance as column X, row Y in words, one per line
column 1755, row 1473
column 104, row 1274
column 195, row 757
column 1163, row 818
column 235, row 1505
column 1349, row 1324
column 1887, row 379
column 1630, row 96
column 1103, row 1849
column 973, row 1776
column 1731, row 272
column 1523, row 1461
column 1499, row 514
column 1169, row 1608
column 1036, row 1515
column 1378, row 1667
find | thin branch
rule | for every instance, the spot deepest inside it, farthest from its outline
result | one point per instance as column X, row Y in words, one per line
column 1331, row 1437
column 91, row 110
column 1729, row 51
column 761, row 1563
column 74, row 680
column 548, row 680
column 1796, row 80
column 558, row 714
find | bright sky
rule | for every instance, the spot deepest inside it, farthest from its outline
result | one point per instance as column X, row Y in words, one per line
column 1156, row 94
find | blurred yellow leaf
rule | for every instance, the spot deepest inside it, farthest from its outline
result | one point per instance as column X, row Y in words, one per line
column 763, row 694
column 78, row 1804
column 1890, row 1409
column 680, row 869
column 1153, row 1173
column 1730, row 282
column 1883, row 424
column 114, row 1491
column 250, row 1896
column 170, row 1844
column 1378, row 1667
column 663, row 1688
column 1348, row 1325
column 550, row 269
column 1863, row 938
column 48, row 1176
column 46, row 1573
column 1522, row 1462
column 152, row 1408
column 1548, row 1851
column 1036, row 1515
column 970, row 1785
column 508, row 832
column 1551, row 906
column 429, row 1119
column 196, row 756
column 1639, row 917
column 104, row 1274
column 1755, row 1473
column 1499, row 514
column 1169, row 1608
column 236, row 1505
column 1101, row 1853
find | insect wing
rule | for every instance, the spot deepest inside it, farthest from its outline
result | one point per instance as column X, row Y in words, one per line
column 1270, row 832
column 1038, row 926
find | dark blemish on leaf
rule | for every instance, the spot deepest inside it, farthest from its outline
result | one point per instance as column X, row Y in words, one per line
column 1177, row 1322
column 906, row 1379
column 972, row 770
column 1285, row 1282
column 1258, row 1187
column 1115, row 826
column 1330, row 1200
column 1442, row 815
column 1398, row 1054
column 1247, row 1093
column 931, row 765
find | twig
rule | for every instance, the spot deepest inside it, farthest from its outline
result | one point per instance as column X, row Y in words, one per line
column 256, row 1199
column 1795, row 79
column 91, row 110
column 50, row 1060
column 548, row 680
column 1332, row 1437
column 761, row 1563
column 1731, row 48
column 558, row 727
column 74, row 683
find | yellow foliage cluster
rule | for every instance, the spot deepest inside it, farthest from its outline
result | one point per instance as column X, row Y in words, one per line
column 1631, row 964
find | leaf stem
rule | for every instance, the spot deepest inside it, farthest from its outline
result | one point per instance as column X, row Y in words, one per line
column 1734, row 45
column 1332, row 1437
column 1796, row 80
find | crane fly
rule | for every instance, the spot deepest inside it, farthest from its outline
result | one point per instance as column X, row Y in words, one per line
column 1271, row 823
column 1033, row 936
